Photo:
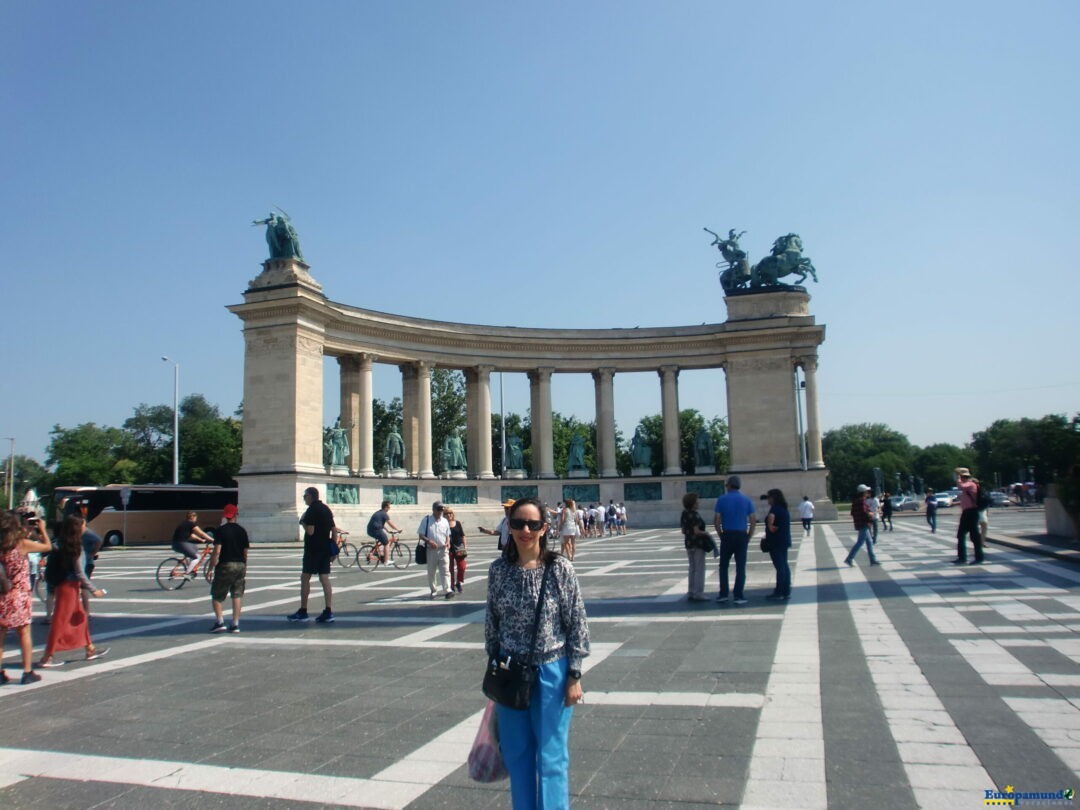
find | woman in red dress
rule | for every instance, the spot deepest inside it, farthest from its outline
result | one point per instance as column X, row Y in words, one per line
column 70, row 628
column 15, row 544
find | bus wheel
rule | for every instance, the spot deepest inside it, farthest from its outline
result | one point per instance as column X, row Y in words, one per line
column 114, row 539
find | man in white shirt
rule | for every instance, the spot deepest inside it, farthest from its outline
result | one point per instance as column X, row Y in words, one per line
column 875, row 509
column 806, row 514
column 435, row 530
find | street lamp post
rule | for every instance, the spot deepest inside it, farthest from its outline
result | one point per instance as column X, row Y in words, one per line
column 176, row 420
column 11, row 474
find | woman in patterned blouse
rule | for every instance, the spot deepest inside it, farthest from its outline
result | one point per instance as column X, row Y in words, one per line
column 535, row 741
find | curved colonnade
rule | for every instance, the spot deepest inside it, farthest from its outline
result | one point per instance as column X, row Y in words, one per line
column 290, row 326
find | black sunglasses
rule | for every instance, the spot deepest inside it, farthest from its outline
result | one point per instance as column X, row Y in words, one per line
column 521, row 523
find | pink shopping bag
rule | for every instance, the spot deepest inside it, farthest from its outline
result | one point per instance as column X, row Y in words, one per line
column 485, row 759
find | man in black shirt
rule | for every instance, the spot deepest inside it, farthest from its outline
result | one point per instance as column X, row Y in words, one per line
column 228, row 566
column 319, row 531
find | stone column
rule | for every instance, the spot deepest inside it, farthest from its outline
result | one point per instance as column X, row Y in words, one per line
column 813, row 423
column 409, row 424
column 543, row 455
column 478, row 403
column 349, row 372
column 605, row 421
column 423, row 408
column 363, row 449
column 669, row 398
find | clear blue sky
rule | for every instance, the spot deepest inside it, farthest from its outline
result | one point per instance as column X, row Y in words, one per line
column 544, row 165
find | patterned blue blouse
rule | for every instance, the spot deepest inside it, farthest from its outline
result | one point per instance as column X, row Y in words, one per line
column 511, row 605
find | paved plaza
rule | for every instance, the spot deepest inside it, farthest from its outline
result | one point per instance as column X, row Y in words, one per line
column 915, row 683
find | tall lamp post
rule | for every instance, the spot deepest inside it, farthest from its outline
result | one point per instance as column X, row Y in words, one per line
column 11, row 474
column 175, row 420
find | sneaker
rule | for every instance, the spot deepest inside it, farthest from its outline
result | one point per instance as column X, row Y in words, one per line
column 874, row 562
column 976, row 562
column 4, row 679
column 29, row 677
column 849, row 563
column 326, row 617
column 775, row 597
column 449, row 595
column 219, row 627
column 53, row 664
column 299, row 616
column 721, row 597
column 958, row 561
column 432, row 595
column 739, row 601
column 99, row 652
column 234, row 628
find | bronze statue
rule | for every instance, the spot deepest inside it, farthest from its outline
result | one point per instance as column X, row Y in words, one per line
column 395, row 451
column 784, row 259
column 735, row 271
column 281, row 236
column 515, row 459
column 337, row 445
column 704, row 455
column 577, row 453
column 640, row 452
column 453, row 453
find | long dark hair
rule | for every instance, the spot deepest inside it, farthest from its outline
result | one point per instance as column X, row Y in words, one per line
column 71, row 532
column 511, row 552
column 777, row 498
column 10, row 531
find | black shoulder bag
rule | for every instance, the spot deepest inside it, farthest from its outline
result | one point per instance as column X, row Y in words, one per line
column 509, row 682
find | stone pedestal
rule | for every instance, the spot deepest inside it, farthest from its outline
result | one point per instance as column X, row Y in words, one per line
column 577, row 474
column 397, row 472
column 639, row 471
column 705, row 470
column 514, row 474
column 339, row 469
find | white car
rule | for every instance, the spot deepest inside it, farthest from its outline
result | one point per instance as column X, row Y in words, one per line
column 944, row 499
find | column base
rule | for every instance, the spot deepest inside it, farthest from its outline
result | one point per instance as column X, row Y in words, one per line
column 486, row 476
column 369, row 473
column 397, row 472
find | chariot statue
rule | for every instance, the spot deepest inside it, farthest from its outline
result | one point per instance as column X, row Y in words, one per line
column 785, row 259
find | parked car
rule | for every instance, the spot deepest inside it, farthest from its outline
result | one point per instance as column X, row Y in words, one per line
column 944, row 499
column 999, row 500
column 904, row 503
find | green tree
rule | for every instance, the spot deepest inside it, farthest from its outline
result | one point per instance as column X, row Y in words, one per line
column 149, row 430
column 935, row 464
column 88, row 455
column 1050, row 445
column 852, row 452
column 29, row 474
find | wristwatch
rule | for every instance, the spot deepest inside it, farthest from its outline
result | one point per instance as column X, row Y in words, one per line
column 575, row 674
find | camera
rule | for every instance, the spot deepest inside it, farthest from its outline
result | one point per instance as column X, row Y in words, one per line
column 29, row 517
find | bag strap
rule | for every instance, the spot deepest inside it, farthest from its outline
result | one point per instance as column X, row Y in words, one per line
column 536, row 617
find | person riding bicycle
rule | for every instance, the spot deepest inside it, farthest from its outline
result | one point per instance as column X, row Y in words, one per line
column 183, row 544
column 376, row 529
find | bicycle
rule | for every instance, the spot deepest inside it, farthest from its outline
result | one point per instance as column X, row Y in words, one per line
column 346, row 557
column 369, row 557
column 172, row 573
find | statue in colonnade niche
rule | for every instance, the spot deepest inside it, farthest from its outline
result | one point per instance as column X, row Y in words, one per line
column 576, row 460
column 454, row 453
column 704, row 454
column 515, row 458
column 640, row 452
column 395, row 451
column 336, row 445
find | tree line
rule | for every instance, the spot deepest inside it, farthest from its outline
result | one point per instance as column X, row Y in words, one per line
column 1008, row 451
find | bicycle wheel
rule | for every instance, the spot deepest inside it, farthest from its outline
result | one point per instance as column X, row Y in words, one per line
column 347, row 556
column 400, row 556
column 368, row 557
column 170, row 573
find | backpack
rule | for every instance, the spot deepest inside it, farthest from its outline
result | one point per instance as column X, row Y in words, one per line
column 982, row 498
column 611, row 512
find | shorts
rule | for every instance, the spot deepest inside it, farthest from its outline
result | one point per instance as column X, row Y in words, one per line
column 380, row 537
column 315, row 563
column 229, row 579
column 982, row 517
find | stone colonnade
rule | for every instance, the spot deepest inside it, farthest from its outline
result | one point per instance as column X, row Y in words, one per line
column 290, row 326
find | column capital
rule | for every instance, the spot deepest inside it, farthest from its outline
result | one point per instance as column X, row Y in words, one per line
column 541, row 374
column 485, row 370
column 607, row 372
column 663, row 371
column 366, row 359
column 808, row 362
column 348, row 362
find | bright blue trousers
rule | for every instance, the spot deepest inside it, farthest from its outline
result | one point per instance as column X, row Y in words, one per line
column 535, row 743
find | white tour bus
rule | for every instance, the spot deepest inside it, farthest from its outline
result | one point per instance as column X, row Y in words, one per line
column 142, row 514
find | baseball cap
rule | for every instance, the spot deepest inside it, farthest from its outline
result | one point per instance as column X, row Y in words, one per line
column 862, row 488
column 230, row 510
column 437, row 505
column 508, row 503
